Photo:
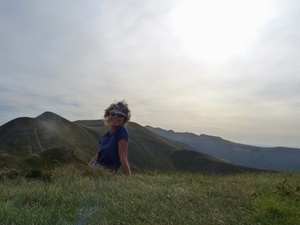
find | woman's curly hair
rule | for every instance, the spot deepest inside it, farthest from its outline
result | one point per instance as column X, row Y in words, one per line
column 121, row 104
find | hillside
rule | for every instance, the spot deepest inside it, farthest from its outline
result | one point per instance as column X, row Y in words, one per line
column 70, row 195
column 277, row 158
column 32, row 137
column 151, row 151
column 147, row 149
column 48, row 130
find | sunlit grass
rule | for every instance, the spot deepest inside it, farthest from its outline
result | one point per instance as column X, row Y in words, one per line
column 81, row 196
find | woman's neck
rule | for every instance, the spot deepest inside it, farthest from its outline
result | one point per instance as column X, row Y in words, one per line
column 112, row 129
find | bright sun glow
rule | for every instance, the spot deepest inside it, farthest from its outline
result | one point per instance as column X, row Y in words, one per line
column 218, row 30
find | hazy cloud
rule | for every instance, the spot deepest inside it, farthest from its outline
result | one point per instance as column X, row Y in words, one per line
column 75, row 57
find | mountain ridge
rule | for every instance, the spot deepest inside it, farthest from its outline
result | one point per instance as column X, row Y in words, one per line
column 147, row 150
column 269, row 158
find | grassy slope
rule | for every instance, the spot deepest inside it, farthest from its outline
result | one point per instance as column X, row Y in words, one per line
column 147, row 150
column 196, row 162
column 50, row 131
column 48, row 158
column 34, row 135
column 75, row 196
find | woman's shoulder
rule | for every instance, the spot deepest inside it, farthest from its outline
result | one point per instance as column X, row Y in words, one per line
column 122, row 133
column 122, row 129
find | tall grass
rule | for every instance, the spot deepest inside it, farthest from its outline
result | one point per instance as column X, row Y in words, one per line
column 80, row 196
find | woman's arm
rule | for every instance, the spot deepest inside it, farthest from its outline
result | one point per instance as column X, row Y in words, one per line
column 93, row 160
column 123, row 146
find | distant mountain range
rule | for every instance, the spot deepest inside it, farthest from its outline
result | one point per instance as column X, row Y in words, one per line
column 51, row 139
column 277, row 158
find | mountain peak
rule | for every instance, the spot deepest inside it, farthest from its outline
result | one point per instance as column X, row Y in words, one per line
column 49, row 116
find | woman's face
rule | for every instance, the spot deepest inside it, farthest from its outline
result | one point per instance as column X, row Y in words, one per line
column 116, row 118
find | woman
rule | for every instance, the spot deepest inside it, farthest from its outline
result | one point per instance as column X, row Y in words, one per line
column 113, row 145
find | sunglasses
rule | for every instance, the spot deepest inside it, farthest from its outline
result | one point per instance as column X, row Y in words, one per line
column 119, row 115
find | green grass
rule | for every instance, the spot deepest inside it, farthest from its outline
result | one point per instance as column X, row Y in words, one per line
column 70, row 195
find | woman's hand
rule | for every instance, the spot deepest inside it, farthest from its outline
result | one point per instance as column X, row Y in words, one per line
column 123, row 146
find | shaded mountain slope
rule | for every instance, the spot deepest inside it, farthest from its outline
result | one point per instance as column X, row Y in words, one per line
column 147, row 149
column 277, row 158
column 51, row 139
column 34, row 135
column 196, row 162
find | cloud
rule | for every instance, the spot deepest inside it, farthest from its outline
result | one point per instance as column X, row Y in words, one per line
column 74, row 58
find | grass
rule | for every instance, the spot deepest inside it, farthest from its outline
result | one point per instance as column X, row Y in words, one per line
column 69, row 195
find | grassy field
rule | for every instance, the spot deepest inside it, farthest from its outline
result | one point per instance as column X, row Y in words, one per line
column 80, row 196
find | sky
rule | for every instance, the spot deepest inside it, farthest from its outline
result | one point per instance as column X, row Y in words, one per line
column 223, row 68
